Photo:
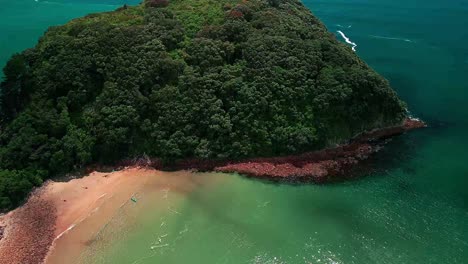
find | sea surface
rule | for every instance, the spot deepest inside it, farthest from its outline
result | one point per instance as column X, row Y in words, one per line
column 412, row 207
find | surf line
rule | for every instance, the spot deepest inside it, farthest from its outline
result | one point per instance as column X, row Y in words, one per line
column 354, row 45
column 64, row 232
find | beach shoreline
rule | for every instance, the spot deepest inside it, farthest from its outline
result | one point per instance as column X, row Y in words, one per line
column 30, row 232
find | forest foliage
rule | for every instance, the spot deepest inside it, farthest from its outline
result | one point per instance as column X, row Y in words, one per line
column 207, row 79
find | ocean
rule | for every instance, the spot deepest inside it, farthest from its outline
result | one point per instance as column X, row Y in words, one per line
column 411, row 208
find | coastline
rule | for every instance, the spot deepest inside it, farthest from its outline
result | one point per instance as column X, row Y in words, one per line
column 31, row 232
column 318, row 166
column 324, row 165
column 28, row 230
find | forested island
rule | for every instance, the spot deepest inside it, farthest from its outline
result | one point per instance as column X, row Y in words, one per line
column 183, row 79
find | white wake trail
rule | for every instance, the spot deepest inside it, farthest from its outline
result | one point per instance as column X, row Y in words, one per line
column 390, row 38
column 354, row 45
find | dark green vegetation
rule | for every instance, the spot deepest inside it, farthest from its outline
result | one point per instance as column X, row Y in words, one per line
column 208, row 79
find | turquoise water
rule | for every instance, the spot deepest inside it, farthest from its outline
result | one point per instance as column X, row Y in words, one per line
column 22, row 22
column 412, row 209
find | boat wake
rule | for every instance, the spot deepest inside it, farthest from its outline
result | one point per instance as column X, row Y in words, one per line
column 354, row 45
column 390, row 38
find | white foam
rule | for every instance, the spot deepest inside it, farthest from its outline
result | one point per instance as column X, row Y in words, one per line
column 68, row 229
column 354, row 45
column 172, row 210
column 183, row 231
column 390, row 38
column 159, row 246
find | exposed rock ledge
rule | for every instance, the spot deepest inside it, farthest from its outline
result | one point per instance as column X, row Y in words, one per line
column 320, row 166
column 317, row 166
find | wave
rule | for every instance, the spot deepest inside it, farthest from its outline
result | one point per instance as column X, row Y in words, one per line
column 390, row 38
column 68, row 229
column 340, row 26
column 354, row 45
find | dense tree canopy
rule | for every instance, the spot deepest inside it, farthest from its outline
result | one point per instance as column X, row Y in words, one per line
column 210, row 79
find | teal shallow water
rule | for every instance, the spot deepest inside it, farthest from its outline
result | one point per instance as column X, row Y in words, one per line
column 413, row 209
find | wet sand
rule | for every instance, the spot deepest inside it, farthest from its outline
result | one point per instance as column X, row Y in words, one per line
column 42, row 228
column 111, row 193
column 61, row 219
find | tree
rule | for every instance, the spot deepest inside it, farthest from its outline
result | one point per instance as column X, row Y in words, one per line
column 202, row 79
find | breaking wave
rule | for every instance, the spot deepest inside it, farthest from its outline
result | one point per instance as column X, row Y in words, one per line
column 354, row 45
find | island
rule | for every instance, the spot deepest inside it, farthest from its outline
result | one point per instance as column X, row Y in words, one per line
column 189, row 84
column 258, row 87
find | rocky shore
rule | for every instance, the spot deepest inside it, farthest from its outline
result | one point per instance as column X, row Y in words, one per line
column 318, row 166
column 28, row 233
column 324, row 165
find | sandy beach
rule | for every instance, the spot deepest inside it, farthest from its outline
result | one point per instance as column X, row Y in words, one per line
column 61, row 219
column 35, row 232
